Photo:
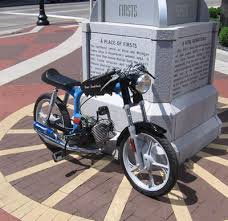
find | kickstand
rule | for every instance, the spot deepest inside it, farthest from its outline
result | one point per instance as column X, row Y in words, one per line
column 60, row 155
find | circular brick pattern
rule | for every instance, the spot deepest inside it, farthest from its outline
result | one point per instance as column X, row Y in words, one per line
column 33, row 187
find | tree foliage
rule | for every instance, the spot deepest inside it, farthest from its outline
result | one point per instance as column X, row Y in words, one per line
column 223, row 36
column 214, row 12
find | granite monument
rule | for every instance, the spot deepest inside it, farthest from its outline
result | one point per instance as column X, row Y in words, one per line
column 177, row 43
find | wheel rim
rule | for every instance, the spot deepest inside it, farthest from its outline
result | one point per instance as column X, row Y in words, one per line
column 42, row 113
column 156, row 172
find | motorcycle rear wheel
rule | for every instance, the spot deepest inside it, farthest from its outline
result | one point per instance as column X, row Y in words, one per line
column 161, row 166
column 59, row 111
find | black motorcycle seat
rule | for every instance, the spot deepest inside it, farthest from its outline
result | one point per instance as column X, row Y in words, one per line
column 54, row 78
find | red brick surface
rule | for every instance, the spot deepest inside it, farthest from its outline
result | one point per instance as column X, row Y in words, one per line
column 93, row 198
column 6, row 217
column 20, row 48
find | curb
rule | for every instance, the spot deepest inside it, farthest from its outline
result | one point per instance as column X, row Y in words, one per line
column 14, row 31
column 77, row 19
column 20, row 31
column 33, row 30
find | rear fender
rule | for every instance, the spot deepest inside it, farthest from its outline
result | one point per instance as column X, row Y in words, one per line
column 138, row 125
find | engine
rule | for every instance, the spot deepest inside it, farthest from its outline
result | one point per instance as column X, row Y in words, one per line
column 103, row 130
column 98, row 129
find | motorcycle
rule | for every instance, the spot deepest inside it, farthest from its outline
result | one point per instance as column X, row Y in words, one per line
column 146, row 156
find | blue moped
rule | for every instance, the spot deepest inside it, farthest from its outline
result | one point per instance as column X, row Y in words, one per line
column 147, row 157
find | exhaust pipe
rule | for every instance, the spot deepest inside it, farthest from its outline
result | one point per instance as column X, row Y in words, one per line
column 48, row 134
column 52, row 138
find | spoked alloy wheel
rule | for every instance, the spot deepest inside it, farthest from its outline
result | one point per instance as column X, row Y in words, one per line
column 159, row 174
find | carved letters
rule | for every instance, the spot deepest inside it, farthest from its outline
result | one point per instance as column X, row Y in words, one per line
column 107, row 51
column 192, row 64
column 128, row 10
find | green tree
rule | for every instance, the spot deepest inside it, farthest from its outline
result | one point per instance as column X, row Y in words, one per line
column 224, row 13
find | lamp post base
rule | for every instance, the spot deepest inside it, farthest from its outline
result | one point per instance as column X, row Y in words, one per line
column 42, row 22
column 42, row 18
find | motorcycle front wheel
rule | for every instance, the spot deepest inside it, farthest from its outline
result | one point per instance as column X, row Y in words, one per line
column 160, row 171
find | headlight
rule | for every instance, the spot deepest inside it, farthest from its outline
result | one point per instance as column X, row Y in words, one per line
column 143, row 83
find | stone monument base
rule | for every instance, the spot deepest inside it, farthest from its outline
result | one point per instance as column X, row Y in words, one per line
column 191, row 120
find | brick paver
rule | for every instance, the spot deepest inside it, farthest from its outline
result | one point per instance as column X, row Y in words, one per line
column 20, row 48
column 93, row 197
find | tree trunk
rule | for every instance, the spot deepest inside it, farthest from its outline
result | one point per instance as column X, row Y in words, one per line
column 224, row 13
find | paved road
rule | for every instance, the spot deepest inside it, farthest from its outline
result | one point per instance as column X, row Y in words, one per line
column 18, row 17
column 27, row 15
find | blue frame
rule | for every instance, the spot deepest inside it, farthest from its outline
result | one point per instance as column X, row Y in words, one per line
column 76, row 93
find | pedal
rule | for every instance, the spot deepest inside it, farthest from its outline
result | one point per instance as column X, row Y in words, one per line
column 58, row 156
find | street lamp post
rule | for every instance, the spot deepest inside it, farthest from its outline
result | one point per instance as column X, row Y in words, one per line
column 91, row 6
column 42, row 18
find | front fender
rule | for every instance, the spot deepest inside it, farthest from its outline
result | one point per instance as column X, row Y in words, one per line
column 138, row 125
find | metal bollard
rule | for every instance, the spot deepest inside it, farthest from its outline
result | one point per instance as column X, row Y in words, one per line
column 42, row 18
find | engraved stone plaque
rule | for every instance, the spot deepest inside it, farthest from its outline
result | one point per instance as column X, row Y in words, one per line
column 110, row 51
column 191, row 60
column 192, row 63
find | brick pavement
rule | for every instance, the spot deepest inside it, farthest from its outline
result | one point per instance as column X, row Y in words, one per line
column 20, row 48
column 93, row 199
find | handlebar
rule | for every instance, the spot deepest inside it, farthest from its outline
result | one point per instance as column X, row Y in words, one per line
column 131, row 70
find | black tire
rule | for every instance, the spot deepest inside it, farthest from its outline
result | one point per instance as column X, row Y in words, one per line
column 173, row 162
column 62, row 109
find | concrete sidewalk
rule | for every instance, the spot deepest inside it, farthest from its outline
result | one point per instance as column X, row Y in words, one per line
column 221, row 64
